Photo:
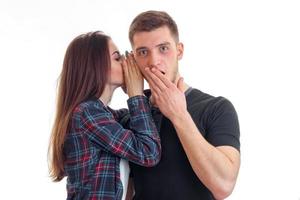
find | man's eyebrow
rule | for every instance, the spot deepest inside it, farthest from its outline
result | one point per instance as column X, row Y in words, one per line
column 141, row 48
column 163, row 44
column 159, row 45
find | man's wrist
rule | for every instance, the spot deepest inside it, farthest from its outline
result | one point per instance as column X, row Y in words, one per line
column 180, row 117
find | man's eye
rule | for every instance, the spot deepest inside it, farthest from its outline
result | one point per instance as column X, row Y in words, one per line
column 142, row 53
column 163, row 48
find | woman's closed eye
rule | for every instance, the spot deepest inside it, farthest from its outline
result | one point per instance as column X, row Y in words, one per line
column 117, row 56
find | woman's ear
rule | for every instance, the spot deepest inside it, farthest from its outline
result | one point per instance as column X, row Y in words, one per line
column 180, row 49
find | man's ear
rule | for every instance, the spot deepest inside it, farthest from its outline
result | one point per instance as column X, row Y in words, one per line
column 180, row 49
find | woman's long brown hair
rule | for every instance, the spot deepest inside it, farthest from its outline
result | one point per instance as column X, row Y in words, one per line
column 84, row 75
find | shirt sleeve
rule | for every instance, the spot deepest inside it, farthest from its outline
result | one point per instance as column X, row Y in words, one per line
column 140, row 144
column 223, row 127
column 122, row 116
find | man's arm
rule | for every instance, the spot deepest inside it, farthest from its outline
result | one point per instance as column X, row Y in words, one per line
column 216, row 167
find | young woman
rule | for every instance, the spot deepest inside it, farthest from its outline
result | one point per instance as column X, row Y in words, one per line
column 89, row 145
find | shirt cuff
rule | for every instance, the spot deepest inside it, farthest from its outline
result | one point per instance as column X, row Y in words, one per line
column 138, row 105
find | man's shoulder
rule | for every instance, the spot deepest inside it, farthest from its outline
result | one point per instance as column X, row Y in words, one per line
column 196, row 96
column 199, row 100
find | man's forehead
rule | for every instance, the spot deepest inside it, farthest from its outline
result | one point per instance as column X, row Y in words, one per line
column 152, row 39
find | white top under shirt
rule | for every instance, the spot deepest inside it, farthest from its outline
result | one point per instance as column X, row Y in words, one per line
column 124, row 176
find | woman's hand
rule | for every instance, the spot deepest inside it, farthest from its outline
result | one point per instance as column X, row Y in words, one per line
column 134, row 81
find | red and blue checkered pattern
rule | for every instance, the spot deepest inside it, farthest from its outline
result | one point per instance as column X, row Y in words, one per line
column 96, row 141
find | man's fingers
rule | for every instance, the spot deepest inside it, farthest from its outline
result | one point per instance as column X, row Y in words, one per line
column 153, row 85
column 162, row 77
column 157, row 81
column 180, row 84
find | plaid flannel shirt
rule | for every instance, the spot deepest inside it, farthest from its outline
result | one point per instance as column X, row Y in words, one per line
column 96, row 141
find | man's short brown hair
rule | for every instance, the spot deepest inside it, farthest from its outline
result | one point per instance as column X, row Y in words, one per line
column 151, row 20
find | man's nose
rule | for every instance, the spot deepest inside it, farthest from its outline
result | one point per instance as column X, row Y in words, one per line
column 154, row 60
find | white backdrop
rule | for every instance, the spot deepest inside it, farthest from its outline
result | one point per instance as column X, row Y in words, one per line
column 247, row 51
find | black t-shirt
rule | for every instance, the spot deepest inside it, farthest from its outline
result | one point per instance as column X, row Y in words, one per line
column 173, row 177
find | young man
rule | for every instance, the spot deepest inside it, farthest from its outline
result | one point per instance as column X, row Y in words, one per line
column 199, row 132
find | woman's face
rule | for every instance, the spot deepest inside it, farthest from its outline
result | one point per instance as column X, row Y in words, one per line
column 116, row 72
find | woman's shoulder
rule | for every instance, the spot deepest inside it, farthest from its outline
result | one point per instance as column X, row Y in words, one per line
column 90, row 105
